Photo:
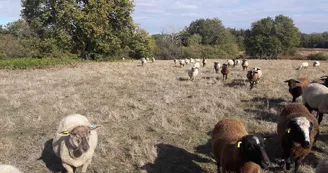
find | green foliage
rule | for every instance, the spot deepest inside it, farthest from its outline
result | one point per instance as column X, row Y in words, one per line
column 167, row 46
column 239, row 37
column 194, row 40
column 318, row 56
column 315, row 40
column 210, row 52
column 32, row 63
column 142, row 44
column 270, row 38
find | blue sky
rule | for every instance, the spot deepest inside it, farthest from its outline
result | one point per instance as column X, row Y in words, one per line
column 171, row 15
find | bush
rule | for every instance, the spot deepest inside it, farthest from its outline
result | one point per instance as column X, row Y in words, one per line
column 210, row 52
column 33, row 63
column 318, row 56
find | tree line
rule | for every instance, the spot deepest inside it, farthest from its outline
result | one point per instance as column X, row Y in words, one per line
column 104, row 29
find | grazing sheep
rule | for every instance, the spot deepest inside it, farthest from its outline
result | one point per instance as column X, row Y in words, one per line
column 192, row 60
column 204, row 62
column 8, row 169
column 187, row 61
column 75, row 142
column 315, row 97
column 244, row 64
column 175, row 61
column 235, row 151
column 225, row 71
column 322, row 167
column 153, row 59
column 197, row 60
column 297, row 130
column 217, row 67
column 316, row 64
column 296, row 86
column 303, row 65
column 253, row 78
column 230, row 62
column 193, row 72
column 143, row 61
column 197, row 64
column 236, row 62
column 182, row 62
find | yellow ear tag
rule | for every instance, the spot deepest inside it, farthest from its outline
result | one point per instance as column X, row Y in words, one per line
column 238, row 145
column 66, row 132
column 93, row 126
column 288, row 130
column 264, row 138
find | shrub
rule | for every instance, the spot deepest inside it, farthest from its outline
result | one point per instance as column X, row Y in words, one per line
column 33, row 63
column 318, row 56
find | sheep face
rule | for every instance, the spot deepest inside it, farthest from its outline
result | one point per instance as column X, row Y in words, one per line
column 292, row 83
column 300, row 131
column 79, row 138
column 252, row 149
column 325, row 79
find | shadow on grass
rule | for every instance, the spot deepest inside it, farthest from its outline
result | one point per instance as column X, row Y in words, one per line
column 236, row 82
column 53, row 163
column 206, row 148
column 266, row 109
column 174, row 160
column 183, row 79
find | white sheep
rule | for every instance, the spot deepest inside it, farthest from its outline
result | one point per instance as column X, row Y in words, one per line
column 182, row 62
column 123, row 59
column 193, row 72
column 316, row 64
column 197, row 64
column 143, row 61
column 147, row 59
column 304, row 65
column 258, row 70
column 192, row 60
column 217, row 66
column 8, row 169
column 75, row 142
column 322, row 166
column 197, row 60
column 230, row 62
column 187, row 61
column 315, row 97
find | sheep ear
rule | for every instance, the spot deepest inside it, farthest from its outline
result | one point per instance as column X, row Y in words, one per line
column 65, row 133
column 287, row 80
column 94, row 127
column 323, row 77
column 297, row 81
column 238, row 144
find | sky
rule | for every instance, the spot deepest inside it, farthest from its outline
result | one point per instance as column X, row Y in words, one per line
column 172, row 15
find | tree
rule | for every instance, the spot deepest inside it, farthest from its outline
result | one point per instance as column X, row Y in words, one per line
column 88, row 27
column 270, row 38
column 142, row 44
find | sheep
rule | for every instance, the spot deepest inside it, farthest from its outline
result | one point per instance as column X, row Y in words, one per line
column 193, row 72
column 303, row 65
column 123, row 59
column 9, row 169
column 153, row 59
column 324, row 80
column 316, row 64
column 192, row 60
column 204, row 62
column 217, row 67
column 175, row 61
column 296, row 86
column 315, row 97
column 147, row 59
column 187, row 61
column 297, row 130
column 75, row 142
column 197, row 60
column 143, row 61
column 253, row 78
column 235, row 151
column 322, row 167
column 244, row 64
column 197, row 64
column 230, row 62
column 182, row 62
column 236, row 62
column 225, row 71
column 259, row 73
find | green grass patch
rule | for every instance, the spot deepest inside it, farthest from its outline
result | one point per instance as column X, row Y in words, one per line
column 33, row 63
column 318, row 56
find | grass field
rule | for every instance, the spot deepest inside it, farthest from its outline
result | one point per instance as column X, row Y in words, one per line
column 154, row 120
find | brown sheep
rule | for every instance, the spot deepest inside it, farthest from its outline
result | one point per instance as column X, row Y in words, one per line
column 225, row 71
column 297, row 131
column 253, row 78
column 296, row 86
column 236, row 151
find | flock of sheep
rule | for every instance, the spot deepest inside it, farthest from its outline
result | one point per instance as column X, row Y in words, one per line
column 234, row 149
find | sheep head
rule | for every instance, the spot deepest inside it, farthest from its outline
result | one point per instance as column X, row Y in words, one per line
column 79, row 138
column 299, row 129
column 292, row 83
column 252, row 149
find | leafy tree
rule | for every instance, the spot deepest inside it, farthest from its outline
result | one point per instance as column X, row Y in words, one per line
column 142, row 44
column 194, row 40
column 270, row 38
column 88, row 27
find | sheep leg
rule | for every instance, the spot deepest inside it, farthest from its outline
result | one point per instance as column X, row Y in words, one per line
column 320, row 117
column 68, row 168
column 287, row 160
column 85, row 166
column 308, row 107
column 294, row 99
column 218, row 165
column 297, row 165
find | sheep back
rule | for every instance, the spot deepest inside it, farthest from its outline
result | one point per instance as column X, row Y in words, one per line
column 9, row 169
column 316, row 96
column 291, row 111
column 59, row 142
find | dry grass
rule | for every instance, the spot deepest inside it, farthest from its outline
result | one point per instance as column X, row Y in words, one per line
column 153, row 120
column 309, row 51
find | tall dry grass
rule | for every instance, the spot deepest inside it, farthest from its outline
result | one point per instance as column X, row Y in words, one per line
column 153, row 119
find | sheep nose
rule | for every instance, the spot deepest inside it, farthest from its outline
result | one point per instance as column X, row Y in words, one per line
column 306, row 145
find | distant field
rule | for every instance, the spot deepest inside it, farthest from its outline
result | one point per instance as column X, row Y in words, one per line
column 309, row 51
column 154, row 120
